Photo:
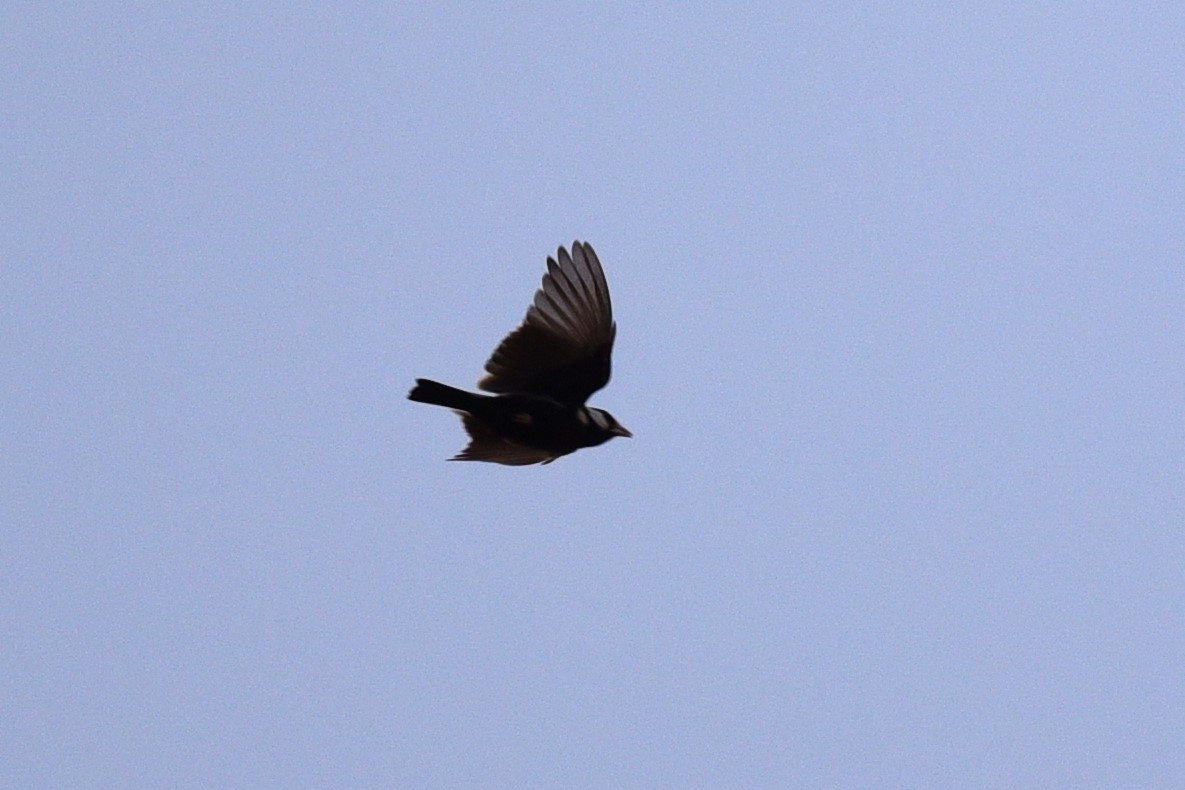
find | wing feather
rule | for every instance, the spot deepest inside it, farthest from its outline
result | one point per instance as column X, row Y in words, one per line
column 487, row 445
column 564, row 345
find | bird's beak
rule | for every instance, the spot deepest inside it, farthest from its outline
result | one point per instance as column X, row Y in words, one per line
column 620, row 430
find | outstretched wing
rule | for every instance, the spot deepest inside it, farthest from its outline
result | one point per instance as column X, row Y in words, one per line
column 486, row 444
column 563, row 347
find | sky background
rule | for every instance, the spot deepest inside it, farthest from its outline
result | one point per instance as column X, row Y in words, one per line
column 899, row 291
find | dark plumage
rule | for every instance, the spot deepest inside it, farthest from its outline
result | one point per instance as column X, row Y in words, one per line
column 542, row 373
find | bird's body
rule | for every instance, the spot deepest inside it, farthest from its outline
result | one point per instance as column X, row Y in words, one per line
column 541, row 428
column 542, row 373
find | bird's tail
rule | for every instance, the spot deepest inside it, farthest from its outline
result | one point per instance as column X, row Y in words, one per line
column 429, row 391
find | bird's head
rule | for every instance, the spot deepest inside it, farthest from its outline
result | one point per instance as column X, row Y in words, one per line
column 608, row 423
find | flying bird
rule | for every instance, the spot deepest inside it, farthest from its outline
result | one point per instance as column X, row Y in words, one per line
column 542, row 373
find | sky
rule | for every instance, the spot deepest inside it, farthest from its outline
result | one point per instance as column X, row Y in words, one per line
column 899, row 294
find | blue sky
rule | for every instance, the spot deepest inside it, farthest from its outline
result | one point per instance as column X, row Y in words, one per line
column 899, row 290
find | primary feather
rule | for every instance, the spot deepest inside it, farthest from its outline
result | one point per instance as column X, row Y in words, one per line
column 564, row 345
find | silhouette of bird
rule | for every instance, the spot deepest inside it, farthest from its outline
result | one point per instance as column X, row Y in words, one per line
column 542, row 373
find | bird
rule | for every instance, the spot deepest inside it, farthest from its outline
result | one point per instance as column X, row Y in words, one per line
column 542, row 373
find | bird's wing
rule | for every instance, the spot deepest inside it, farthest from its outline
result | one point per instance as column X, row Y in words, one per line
column 563, row 346
column 486, row 444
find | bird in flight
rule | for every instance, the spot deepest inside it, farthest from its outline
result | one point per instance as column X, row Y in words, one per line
column 542, row 373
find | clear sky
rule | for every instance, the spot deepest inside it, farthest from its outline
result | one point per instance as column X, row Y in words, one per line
column 899, row 291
